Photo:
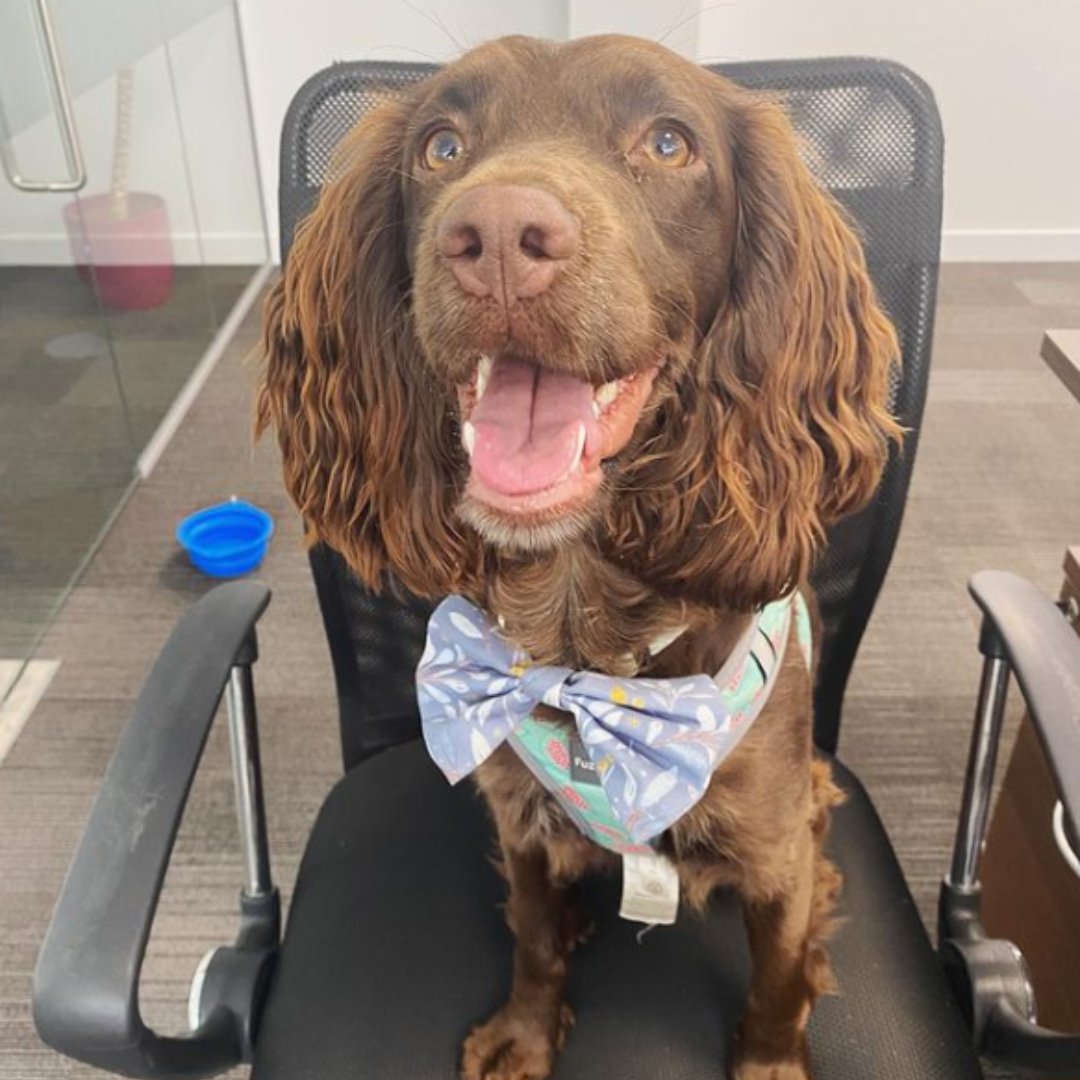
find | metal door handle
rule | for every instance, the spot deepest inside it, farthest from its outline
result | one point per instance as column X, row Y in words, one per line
column 1061, row 838
column 69, row 136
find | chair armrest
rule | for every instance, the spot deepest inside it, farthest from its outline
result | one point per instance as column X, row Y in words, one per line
column 1024, row 627
column 86, row 1000
column 1025, row 633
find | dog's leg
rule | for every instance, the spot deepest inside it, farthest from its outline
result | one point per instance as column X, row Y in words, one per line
column 521, row 1040
column 787, row 932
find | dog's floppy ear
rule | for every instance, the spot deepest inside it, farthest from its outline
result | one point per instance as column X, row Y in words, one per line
column 783, row 422
column 802, row 324
column 368, row 449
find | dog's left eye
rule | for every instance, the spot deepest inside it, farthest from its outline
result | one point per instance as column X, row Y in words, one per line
column 667, row 145
column 441, row 148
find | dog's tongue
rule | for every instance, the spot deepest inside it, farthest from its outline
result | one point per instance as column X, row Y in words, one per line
column 531, row 426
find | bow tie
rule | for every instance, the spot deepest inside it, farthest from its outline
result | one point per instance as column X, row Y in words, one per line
column 640, row 752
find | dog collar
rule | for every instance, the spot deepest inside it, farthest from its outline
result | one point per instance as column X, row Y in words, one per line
column 640, row 752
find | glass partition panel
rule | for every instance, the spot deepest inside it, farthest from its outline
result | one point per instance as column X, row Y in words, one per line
column 130, row 223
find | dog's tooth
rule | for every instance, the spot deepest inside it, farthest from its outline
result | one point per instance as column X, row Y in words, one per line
column 468, row 438
column 580, row 449
column 606, row 394
column 483, row 372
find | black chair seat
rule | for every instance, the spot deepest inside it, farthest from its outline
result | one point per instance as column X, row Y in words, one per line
column 396, row 945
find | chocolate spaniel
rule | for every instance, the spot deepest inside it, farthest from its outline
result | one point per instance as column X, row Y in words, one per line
column 574, row 336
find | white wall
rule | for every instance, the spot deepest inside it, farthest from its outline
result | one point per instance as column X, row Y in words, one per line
column 190, row 135
column 286, row 41
column 1007, row 77
column 1007, row 80
column 673, row 22
column 95, row 36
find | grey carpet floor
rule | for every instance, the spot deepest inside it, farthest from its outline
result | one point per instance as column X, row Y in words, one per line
column 995, row 485
column 71, row 426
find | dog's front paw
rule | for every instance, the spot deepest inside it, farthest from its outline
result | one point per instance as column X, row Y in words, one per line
column 769, row 1070
column 769, row 1059
column 514, row 1047
column 769, row 1052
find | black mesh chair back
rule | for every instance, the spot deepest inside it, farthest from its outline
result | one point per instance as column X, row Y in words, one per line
column 872, row 135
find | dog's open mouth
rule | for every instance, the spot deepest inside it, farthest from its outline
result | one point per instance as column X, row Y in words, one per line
column 537, row 438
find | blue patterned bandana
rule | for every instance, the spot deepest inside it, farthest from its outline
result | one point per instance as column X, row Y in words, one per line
column 640, row 752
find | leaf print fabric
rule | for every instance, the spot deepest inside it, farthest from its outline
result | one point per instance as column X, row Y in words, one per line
column 655, row 742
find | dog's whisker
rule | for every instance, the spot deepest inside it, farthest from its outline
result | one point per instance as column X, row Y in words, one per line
column 697, row 13
column 390, row 47
column 684, row 225
column 384, row 227
column 433, row 18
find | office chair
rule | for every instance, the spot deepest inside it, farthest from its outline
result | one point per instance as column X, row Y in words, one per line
column 389, row 958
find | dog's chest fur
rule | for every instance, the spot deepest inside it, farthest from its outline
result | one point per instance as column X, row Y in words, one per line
column 575, row 609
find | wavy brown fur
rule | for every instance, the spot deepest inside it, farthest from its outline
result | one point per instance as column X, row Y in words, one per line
column 768, row 422
column 790, row 426
column 367, row 443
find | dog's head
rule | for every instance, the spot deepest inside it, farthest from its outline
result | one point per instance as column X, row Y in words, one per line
column 577, row 293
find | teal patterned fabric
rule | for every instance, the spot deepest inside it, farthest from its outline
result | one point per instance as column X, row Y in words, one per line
column 640, row 752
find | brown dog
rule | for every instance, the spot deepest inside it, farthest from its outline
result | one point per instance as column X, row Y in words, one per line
column 574, row 334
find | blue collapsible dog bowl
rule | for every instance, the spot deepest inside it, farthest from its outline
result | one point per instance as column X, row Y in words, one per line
column 226, row 540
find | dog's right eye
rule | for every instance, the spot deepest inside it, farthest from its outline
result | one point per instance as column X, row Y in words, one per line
column 442, row 147
column 668, row 145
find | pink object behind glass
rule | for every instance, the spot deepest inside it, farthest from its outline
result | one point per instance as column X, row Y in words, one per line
column 130, row 258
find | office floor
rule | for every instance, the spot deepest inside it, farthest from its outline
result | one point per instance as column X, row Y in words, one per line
column 995, row 485
column 75, row 413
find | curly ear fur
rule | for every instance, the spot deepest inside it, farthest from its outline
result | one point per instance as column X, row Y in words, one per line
column 367, row 443
column 780, row 425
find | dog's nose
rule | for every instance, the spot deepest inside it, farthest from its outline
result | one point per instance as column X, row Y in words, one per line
column 507, row 241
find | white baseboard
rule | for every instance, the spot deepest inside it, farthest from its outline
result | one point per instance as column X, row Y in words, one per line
column 216, row 249
column 183, row 401
column 1010, row 245
column 22, row 698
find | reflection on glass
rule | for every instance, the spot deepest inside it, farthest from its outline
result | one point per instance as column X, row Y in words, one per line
column 109, row 296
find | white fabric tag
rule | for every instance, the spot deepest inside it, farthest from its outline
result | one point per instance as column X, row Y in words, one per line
column 650, row 891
